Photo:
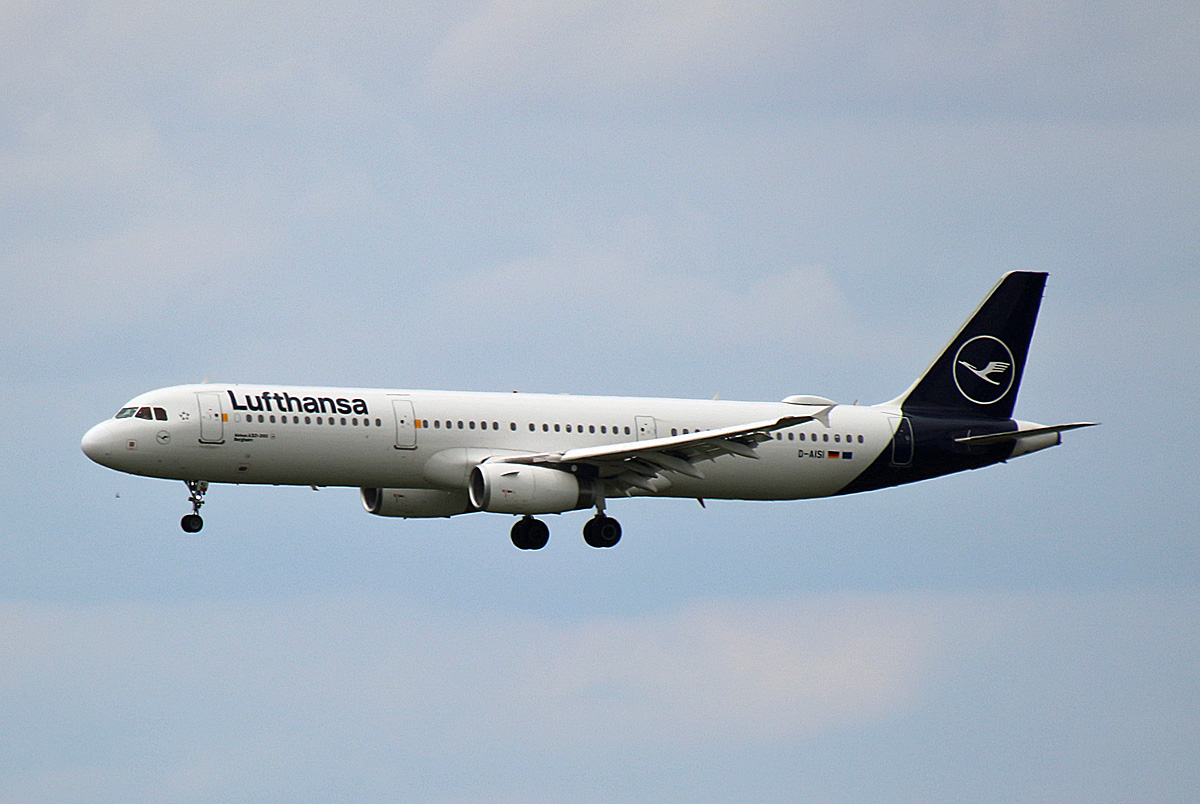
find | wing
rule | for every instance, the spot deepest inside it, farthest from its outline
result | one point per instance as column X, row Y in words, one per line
column 648, row 465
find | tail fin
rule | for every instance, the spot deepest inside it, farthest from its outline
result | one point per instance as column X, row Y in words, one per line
column 979, row 372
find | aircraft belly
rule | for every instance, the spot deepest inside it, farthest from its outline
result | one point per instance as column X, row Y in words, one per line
column 318, row 460
column 779, row 476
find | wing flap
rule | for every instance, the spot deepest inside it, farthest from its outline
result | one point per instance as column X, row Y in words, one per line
column 644, row 465
column 723, row 439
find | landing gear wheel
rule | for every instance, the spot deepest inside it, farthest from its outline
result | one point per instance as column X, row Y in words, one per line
column 602, row 531
column 530, row 534
column 192, row 522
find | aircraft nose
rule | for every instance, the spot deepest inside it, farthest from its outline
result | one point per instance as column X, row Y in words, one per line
column 97, row 443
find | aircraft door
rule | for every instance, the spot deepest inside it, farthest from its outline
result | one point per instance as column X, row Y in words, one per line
column 406, row 423
column 647, row 428
column 212, row 419
column 902, row 443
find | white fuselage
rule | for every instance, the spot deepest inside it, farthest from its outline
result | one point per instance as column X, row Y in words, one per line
column 444, row 453
column 290, row 435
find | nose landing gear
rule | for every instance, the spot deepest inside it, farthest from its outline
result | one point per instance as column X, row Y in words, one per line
column 191, row 523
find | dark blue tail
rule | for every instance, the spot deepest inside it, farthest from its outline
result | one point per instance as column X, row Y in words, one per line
column 979, row 373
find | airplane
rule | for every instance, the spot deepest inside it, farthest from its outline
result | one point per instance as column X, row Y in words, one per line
column 443, row 453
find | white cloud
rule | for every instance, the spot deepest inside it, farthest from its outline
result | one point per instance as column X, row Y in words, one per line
column 248, row 694
column 624, row 45
column 274, row 699
column 1062, row 58
column 71, row 151
column 612, row 299
column 581, row 303
column 150, row 270
column 736, row 671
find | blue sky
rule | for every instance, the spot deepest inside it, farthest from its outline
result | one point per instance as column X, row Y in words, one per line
column 663, row 198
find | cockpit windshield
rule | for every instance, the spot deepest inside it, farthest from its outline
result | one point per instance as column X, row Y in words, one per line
column 159, row 414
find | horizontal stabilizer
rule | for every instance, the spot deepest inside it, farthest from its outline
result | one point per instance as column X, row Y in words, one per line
column 1013, row 435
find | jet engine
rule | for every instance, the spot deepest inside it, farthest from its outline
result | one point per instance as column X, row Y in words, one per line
column 513, row 488
column 414, row 503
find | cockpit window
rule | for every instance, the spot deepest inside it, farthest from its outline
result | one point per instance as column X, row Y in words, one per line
column 144, row 413
column 160, row 414
column 125, row 413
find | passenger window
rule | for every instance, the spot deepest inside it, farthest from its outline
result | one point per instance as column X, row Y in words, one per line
column 557, row 428
column 568, row 428
column 791, row 436
column 591, row 428
column 826, row 436
column 308, row 419
column 472, row 425
column 532, row 427
column 628, row 431
column 512, row 426
column 837, row 437
column 860, row 439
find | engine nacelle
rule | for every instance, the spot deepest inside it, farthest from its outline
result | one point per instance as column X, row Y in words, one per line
column 513, row 488
column 414, row 503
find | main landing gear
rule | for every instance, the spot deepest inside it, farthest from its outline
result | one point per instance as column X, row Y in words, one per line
column 191, row 523
column 532, row 534
column 602, row 531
